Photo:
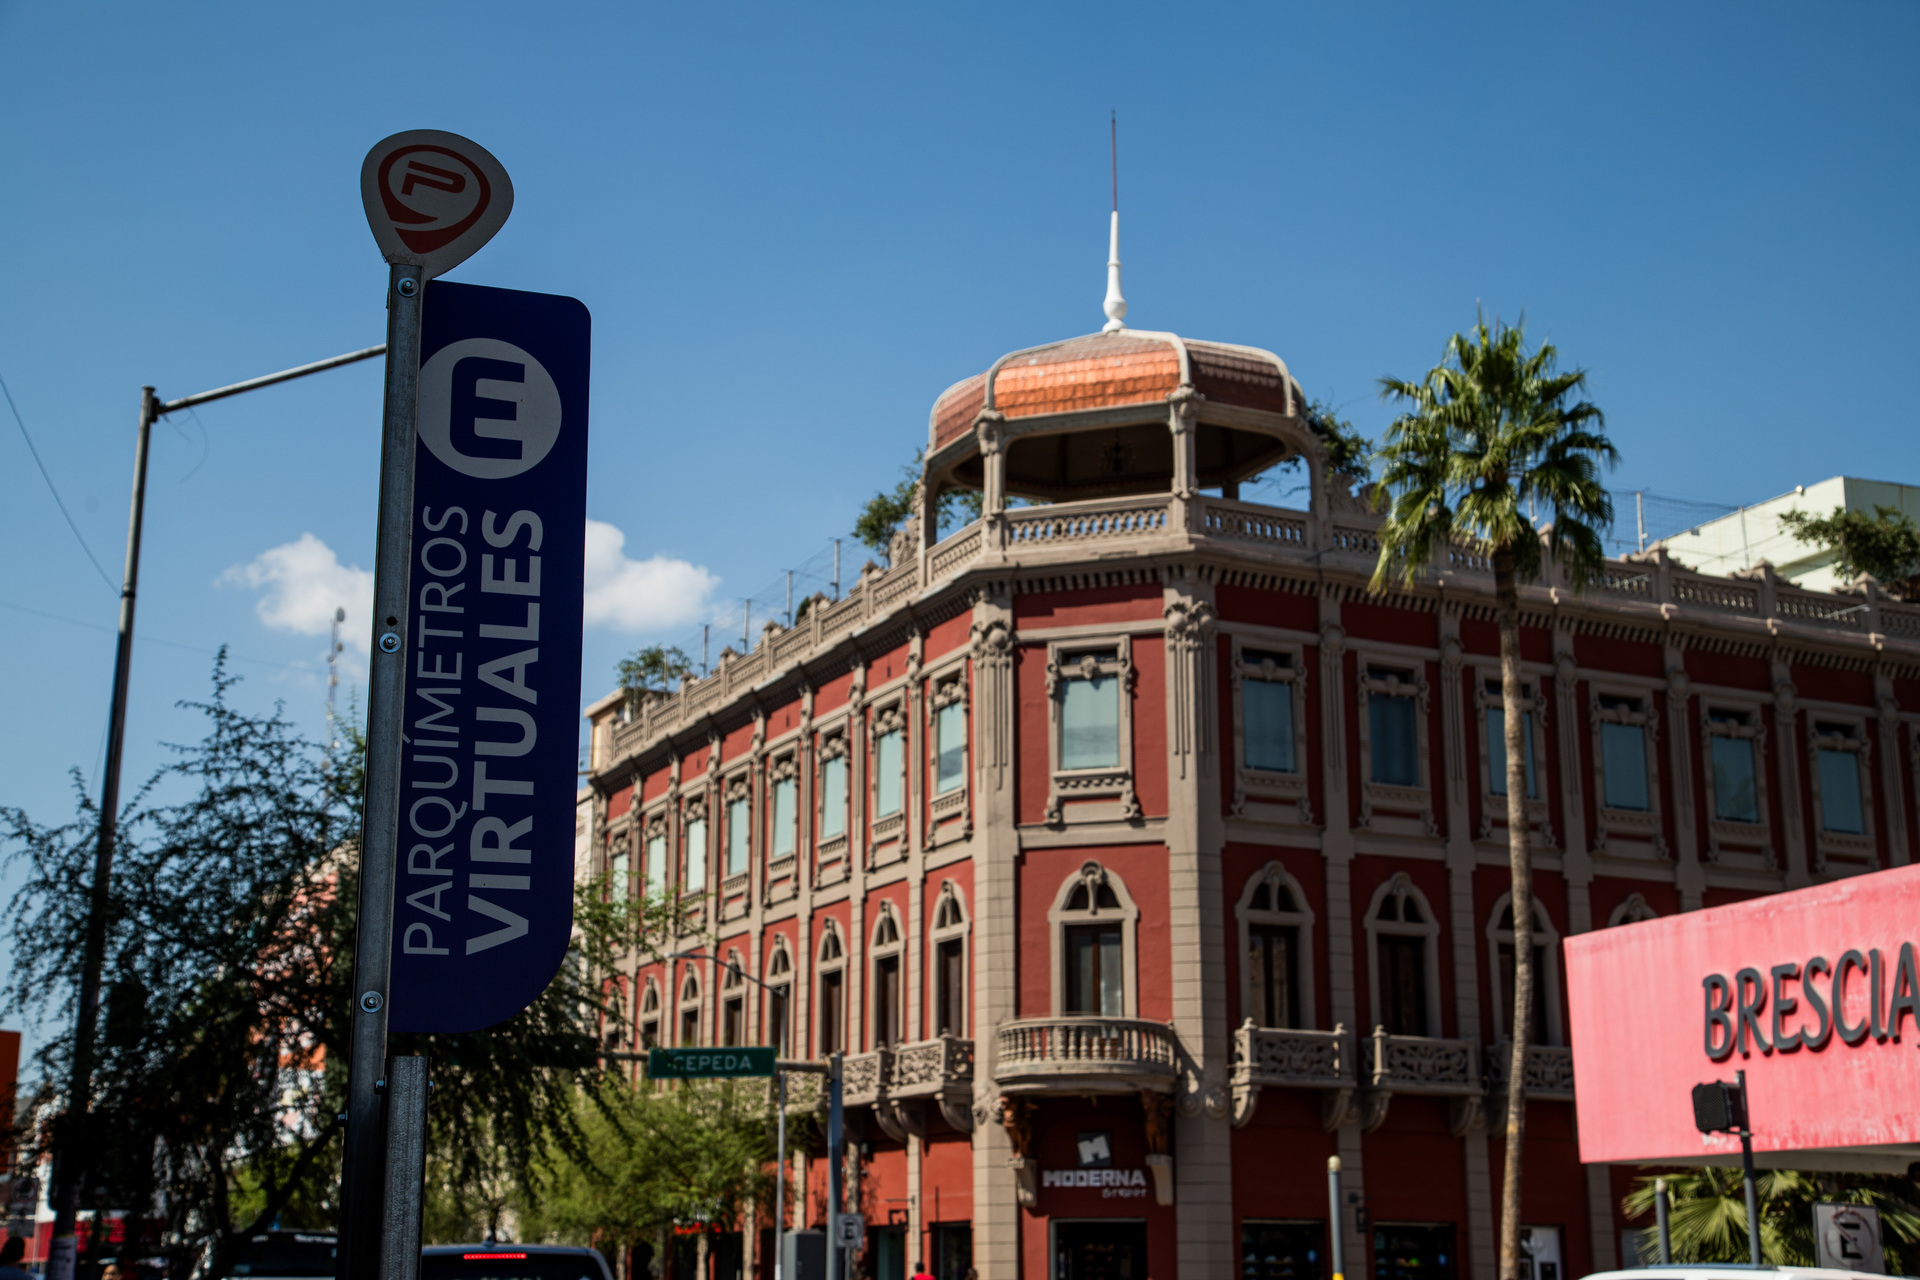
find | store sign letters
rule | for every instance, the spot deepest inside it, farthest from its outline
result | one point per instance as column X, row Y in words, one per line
column 1120, row 1184
column 1796, row 1006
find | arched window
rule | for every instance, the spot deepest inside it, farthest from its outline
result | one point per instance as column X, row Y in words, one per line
column 779, row 993
column 1546, row 971
column 1276, row 950
column 733, row 1001
column 1093, row 921
column 889, row 1013
column 1404, row 978
column 650, row 1015
column 690, row 1008
column 949, row 947
column 832, row 970
column 1634, row 910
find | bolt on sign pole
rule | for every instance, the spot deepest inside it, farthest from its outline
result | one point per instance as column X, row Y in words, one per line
column 71, row 1141
column 432, row 200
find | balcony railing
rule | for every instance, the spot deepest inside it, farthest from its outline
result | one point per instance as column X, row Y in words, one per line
column 1423, row 1064
column 1079, row 1055
column 1549, row 1070
column 929, row 1068
column 1295, row 1059
column 863, row 1078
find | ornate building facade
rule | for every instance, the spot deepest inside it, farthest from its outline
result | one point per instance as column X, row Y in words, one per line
column 1140, row 858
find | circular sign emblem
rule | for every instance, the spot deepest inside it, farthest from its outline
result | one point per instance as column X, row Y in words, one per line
column 433, row 198
column 487, row 408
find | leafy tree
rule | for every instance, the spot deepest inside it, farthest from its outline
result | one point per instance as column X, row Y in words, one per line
column 224, row 1036
column 1348, row 452
column 888, row 509
column 1488, row 434
column 653, row 669
column 1885, row 544
column 1708, row 1218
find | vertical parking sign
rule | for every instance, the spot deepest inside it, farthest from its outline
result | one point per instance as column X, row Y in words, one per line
column 483, row 903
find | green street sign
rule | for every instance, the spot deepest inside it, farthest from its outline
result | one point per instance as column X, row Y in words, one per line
column 701, row 1064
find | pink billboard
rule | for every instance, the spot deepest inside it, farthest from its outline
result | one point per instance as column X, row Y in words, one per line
column 1815, row 994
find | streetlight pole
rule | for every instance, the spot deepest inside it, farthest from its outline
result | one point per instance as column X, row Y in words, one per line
column 71, row 1136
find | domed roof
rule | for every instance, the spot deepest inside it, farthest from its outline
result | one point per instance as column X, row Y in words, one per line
column 1101, row 370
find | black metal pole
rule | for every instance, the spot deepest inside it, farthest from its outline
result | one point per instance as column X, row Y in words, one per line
column 1746, row 1163
column 1660, row 1217
column 1336, row 1236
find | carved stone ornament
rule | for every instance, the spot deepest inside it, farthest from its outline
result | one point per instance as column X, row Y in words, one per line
column 992, row 642
column 1189, row 622
column 696, row 811
column 890, row 719
column 949, row 692
column 787, row 767
column 738, row 788
column 990, row 428
column 1016, row 1117
column 1157, row 1117
column 833, row 746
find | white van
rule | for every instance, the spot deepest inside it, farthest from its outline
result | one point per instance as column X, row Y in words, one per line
column 1725, row 1271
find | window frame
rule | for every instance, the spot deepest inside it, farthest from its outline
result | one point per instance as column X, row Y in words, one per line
column 1493, row 805
column 695, row 810
column 647, row 1020
column 949, row 815
column 1547, row 938
column 887, row 716
column 656, row 879
column 736, row 788
column 682, row 1006
column 835, row 742
column 1104, row 793
column 1400, row 886
column 1270, row 790
column 1862, row 849
column 1094, row 876
column 951, row 906
column 733, row 989
column 1629, row 833
column 779, row 978
column 1731, row 842
column 782, row 770
column 1301, row 919
column 1388, row 806
column 894, row 949
column 1633, row 909
column 823, row 967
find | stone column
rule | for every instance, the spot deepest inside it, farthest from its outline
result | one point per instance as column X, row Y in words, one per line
column 1893, row 787
column 1688, row 876
column 1183, row 419
column 1197, row 929
column 1789, row 744
column 996, row 1210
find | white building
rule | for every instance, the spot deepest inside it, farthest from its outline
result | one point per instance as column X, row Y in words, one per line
column 1745, row 537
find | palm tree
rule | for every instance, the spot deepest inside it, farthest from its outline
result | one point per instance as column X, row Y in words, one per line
column 1491, row 435
column 1709, row 1218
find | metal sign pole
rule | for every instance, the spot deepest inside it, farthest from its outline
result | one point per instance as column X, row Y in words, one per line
column 362, row 1171
column 1746, row 1164
column 1337, row 1252
column 407, row 1090
column 780, row 1179
column 835, row 1165
column 1660, row 1219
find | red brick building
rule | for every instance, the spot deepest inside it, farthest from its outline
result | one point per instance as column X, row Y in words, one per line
column 1141, row 858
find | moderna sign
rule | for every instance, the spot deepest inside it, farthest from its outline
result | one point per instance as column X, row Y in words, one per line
column 1815, row 994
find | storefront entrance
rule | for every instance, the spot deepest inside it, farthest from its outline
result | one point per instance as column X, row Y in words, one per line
column 1100, row 1249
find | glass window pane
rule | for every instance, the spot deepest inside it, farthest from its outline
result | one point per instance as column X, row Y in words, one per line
column 1112, row 976
column 1840, row 808
column 1090, row 723
column 696, row 855
column 786, row 795
column 737, row 831
column 1266, row 710
column 950, row 747
column 1623, row 754
column 1083, row 959
column 886, row 774
column 617, row 877
column 1391, row 730
column 656, row 868
column 833, row 798
column 1734, row 799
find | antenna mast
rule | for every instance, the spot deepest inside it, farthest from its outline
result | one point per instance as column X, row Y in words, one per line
column 1116, row 305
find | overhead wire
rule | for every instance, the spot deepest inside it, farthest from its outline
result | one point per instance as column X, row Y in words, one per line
column 51, row 488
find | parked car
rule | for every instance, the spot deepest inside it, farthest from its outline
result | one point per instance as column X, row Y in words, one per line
column 512, row 1262
column 1724, row 1271
column 285, row 1255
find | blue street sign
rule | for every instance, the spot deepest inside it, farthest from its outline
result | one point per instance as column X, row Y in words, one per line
column 484, row 900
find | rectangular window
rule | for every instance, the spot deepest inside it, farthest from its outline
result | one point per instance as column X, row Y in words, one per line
column 886, row 1001
column 1497, row 751
column 1735, row 798
column 1840, row 809
column 887, row 775
column 950, row 747
column 833, row 798
column 777, row 1018
column 656, row 868
column 1090, row 718
column 786, row 806
column 830, row 1011
column 690, row 1026
column 1272, row 964
column 696, row 878
column 617, row 877
column 733, row 1022
column 1393, row 734
column 1623, row 758
column 738, row 830
column 1266, row 715
column 649, row 1034
column 951, row 974
column 1403, row 984
column 1095, row 981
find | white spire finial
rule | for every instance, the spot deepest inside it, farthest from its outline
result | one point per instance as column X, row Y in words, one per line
column 1116, row 305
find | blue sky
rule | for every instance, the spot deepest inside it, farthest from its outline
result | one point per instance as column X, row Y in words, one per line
column 796, row 226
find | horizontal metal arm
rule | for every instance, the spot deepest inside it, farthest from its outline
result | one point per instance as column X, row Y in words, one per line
column 251, row 384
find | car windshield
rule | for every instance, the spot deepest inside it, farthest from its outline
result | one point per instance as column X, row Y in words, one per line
column 284, row 1254
column 509, row 1264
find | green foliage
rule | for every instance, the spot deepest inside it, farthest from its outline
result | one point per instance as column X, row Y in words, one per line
column 657, row 1154
column 653, row 669
column 1885, row 544
column 224, row 1035
column 1708, row 1218
column 1488, row 436
column 888, row 509
column 1348, row 452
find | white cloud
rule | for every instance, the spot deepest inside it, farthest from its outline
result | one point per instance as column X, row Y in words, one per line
column 641, row 595
column 303, row 583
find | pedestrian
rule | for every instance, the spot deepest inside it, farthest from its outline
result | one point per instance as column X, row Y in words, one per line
column 10, row 1254
column 920, row 1272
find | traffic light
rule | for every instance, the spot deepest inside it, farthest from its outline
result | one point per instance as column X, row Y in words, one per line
column 1719, row 1107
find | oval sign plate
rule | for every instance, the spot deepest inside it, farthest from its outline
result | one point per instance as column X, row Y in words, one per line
column 433, row 198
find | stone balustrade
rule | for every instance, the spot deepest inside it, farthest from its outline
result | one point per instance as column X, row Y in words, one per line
column 1085, row 1055
column 1549, row 1071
